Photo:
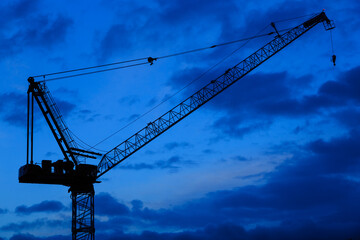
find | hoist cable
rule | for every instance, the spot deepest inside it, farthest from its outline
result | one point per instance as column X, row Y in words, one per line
column 332, row 44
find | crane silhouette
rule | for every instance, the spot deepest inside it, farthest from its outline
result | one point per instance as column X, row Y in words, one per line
column 73, row 172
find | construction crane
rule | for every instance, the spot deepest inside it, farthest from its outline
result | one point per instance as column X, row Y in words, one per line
column 80, row 177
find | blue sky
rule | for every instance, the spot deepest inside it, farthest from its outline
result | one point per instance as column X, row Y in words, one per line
column 276, row 156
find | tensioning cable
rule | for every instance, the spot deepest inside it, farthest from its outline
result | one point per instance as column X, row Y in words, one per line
column 180, row 90
column 148, row 60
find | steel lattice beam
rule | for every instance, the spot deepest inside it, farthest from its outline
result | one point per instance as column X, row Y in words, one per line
column 169, row 119
column 54, row 119
column 83, row 212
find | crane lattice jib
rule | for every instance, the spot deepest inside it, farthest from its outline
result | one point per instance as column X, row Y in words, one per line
column 169, row 119
column 54, row 118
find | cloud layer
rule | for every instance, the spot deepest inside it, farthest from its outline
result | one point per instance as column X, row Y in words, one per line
column 25, row 27
column 45, row 206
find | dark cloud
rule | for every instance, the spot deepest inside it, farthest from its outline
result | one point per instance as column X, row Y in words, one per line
column 118, row 223
column 23, row 237
column 138, row 166
column 340, row 155
column 137, row 204
column 36, row 224
column 17, row 10
column 65, row 107
column 211, row 232
column 173, row 164
column 179, row 79
column 86, row 115
column 346, row 88
column 132, row 117
column 233, row 127
column 119, row 39
column 150, row 26
column 307, row 230
column 44, row 33
column 26, row 27
column 256, row 18
column 273, row 97
column 251, row 205
column 45, row 206
column 13, row 108
column 280, row 199
column 107, row 205
column 310, row 193
column 255, row 101
column 185, row 12
column 331, row 94
column 32, row 237
column 250, row 21
column 65, row 91
column 285, row 148
column 349, row 117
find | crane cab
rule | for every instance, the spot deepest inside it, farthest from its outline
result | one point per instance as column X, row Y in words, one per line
column 59, row 172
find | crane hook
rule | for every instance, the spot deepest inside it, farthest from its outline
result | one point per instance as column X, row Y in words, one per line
column 333, row 58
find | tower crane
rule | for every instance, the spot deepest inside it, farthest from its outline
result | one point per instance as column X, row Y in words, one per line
column 80, row 177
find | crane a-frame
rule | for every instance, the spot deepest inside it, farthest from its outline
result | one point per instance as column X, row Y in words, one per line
column 80, row 177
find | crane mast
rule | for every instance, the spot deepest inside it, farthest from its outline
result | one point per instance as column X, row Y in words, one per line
column 80, row 177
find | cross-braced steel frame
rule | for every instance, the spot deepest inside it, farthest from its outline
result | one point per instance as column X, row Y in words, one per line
column 83, row 213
